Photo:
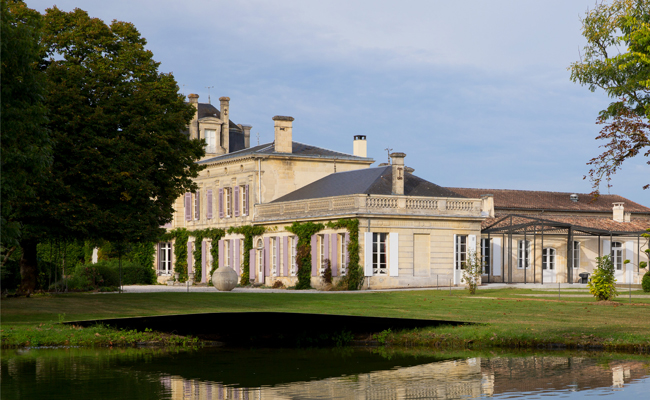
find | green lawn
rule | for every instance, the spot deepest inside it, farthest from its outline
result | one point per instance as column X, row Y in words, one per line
column 507, row 317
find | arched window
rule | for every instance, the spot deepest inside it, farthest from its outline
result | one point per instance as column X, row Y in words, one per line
column 548, row 258
column 617, row 255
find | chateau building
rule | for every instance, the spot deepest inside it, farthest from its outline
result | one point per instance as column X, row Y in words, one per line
column 412, row 233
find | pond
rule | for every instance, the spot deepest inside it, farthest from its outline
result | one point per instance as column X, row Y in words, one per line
column 339, row 373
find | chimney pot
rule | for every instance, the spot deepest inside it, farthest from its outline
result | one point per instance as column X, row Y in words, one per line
column 224, row 104
column 247, row 135
column 618, row 212
column 283, row 134
column 360, row 146
column 398, row 173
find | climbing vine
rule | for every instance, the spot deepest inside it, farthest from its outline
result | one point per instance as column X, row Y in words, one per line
column 215, row 235
column 181, row 236
column 249, row 231
column 304, row 231
column 354, row 277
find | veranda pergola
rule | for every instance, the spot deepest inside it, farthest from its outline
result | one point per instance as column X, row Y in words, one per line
column 527, row 226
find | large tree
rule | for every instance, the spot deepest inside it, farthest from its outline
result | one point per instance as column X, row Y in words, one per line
column 120, row 157
column 26, row 145
column 617, row 60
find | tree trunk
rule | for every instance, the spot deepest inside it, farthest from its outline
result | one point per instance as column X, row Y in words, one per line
column 28, row 266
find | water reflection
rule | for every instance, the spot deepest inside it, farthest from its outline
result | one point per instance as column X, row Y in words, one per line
column 314, row 374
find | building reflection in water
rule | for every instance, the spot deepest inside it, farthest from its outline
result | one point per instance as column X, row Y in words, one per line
column 469, row 378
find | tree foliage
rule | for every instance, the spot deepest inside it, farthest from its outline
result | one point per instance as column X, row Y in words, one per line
column 26, row 144
column 120, row 158
column 603, row 283
column 617, row 60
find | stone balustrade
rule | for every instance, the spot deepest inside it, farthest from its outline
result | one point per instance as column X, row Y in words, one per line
column 369, row 204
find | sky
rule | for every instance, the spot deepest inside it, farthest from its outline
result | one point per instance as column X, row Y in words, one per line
column 476, row 93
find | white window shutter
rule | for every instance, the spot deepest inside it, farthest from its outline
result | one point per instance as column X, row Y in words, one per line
column 471, row 245
column 368, row 254
column 496, row 257
column 393, row 268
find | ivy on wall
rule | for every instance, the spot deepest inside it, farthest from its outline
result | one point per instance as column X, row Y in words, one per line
column 181, row 236
column 304, row 231
column 249, row 232
column 355, row 275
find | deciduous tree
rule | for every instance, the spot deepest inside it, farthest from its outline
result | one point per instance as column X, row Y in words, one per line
column 120, row 156
column 617, row 60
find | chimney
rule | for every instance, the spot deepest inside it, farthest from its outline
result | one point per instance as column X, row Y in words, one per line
column 194, row 125
column 360, row 146
column 398, row 173
column 224, row 103
column 283, row 129
column 619, row 212
column 247, row 135
column 487, row 205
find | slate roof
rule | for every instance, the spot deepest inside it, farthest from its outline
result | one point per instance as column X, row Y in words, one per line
column 366, row 181
column 551, row 201
column 298, row 150
column 208, row 110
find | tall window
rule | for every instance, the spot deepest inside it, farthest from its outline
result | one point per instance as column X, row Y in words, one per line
column 321, row 254
column 485, row 255
column 379, row 257
column 523, row 255
column 342, row 253
column 244, row 200
column 165, row 259
column 197, row 210
column 227, row 194
column 548, row 258
column 576, row 254
column 210, row 140
column 226, row 256
column 260, row 256
column 617, row 255
column 273, row 255
column 291, row 242
column 460, row 251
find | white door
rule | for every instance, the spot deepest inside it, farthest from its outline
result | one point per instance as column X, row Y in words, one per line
column 548, row 265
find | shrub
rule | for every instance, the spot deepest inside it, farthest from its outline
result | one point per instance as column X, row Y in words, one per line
column 327, row 274
column 645, row 282
column 132, row 273
column 602, row 284
column 472, row 270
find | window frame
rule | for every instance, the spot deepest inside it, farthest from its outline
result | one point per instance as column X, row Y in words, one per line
column 486, row 254
column 546, row 263
column 197, row 210
column 379, row 252
column 576, row 254
column 342, row 253
column 165, row 248
column 210, row 143
column 460, row 251
column 520, row 250
column 226, row 250
column 273, row 256
column 227, row 194
column 617, row 260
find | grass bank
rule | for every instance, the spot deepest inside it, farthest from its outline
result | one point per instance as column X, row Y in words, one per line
column 507, row 318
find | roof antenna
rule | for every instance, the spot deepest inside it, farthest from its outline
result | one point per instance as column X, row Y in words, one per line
column 183, row 89
column 258, row 138
column 388, row 150
column 209, row 87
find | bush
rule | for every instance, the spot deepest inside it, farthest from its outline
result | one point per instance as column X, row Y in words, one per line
column 472, row 270
column 327, row 274
column 645, row 282
column 132, row 273
column 602, row 284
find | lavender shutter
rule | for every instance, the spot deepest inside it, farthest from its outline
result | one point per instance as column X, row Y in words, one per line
column 346, row 257
column 221, row 255
column 295, row 249
column 220, row 202
column 267, row 257
column 237, row 252
column 314, row 255
column 158, row 258
column 247, row 202
column 236, row 201
column 197, row 211
column 209, row 204
column 190, row 247
column 230, row 251
column 277, row 256
column 251, row 264
column 285, row 246
column 334, row 252
column 204, row 260
column 188, row 206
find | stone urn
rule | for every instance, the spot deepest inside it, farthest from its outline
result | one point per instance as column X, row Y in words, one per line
column 224, row 279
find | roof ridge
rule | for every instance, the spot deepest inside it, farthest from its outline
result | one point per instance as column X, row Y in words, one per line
column 531, row 190
column 325, row 148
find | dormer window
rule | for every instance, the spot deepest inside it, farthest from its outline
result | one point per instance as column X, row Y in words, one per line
column 210, row 140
